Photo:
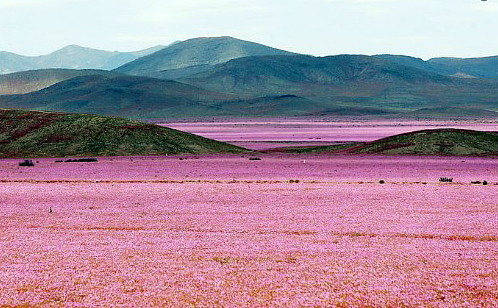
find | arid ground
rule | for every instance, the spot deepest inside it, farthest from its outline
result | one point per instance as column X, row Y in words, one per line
column 226, row 231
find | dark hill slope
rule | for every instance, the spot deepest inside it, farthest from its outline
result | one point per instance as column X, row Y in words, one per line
column 30, row 81
column 434, row 142
column 40, row 134
column 126, row 96
column 195, row 55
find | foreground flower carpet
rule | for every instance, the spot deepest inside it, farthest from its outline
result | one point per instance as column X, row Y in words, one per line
column 227, row 231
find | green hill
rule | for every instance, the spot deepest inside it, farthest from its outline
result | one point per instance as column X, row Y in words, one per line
column 47, row 134
column 444, row 141
column 447, row 141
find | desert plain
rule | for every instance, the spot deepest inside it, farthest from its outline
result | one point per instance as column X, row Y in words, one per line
column 230, row 230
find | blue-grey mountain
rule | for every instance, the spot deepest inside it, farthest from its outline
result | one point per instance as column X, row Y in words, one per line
column 70, row 57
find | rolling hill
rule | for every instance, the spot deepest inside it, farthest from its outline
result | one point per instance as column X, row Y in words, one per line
column 447, row 141
column 441, row 142
column 43, row 134
column 195, row 55
column 30, row 81
column 71, row 57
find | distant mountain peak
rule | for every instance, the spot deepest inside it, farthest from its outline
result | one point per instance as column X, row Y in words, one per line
column 197, row 52
column 73, row 49
column 74, row 46
column 70, row 57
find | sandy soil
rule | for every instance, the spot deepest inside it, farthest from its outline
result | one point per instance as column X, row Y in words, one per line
column 226, row 231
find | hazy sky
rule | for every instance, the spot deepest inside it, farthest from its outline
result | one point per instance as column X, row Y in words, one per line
column 422, row 28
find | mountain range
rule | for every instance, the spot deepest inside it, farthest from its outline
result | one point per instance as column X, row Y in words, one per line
column 70, row 57
column 224, row 76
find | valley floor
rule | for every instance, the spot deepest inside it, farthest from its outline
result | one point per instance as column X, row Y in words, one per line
column 226, row 231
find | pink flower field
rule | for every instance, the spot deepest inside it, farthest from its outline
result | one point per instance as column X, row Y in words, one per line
column 273, row 133
column 226, row 231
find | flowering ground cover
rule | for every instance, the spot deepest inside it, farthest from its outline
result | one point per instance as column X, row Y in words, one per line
column 263, row 134
column 226, row 231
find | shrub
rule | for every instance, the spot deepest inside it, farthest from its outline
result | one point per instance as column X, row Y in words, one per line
column 476, row 182
column 484, row 182
column 81, row 160
column 254, row 158
column 446, row 180
column 27, row 163
column 382, row 182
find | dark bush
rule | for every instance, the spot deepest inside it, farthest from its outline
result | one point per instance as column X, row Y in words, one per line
column 382, row 182
column 446, row 180
column 476, row 182
column 27, row 163
column 81, row 160
column 254, row 158
column 484, row 182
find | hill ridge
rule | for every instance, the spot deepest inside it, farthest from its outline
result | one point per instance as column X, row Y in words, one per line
column 441, row 141
column 48, row 134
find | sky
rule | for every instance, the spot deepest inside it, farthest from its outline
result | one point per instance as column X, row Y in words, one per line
column 420, row 28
